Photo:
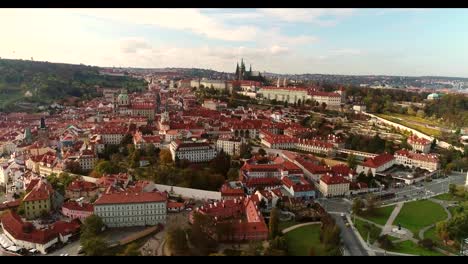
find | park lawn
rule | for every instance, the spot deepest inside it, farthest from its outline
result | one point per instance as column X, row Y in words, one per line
column 409, row 247
column 300, row 240
column 414, row 118
column 408, row 123
column 286, row 224
column 364, row 232
column 431, row 233
column 419, row 214
column 449, row 197
column 381, row 215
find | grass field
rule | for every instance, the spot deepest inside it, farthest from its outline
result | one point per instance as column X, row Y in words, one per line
column 449, row 197
column 286, row 224
column 300, row 241
column 381, row 215
column 364, row 232
column 419, row 214
column 431, row 233
column 408, row 123
column 409, row 247
column 415, row 119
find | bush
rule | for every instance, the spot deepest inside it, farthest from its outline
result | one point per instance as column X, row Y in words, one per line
column 426, row 243
column 385, row 242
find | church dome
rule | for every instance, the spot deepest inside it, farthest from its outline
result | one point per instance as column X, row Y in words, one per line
column 122, row 99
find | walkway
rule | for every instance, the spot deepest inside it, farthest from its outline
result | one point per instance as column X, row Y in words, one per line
column 286, row 230
column 388, row 226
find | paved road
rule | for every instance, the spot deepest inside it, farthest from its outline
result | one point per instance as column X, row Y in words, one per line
column 70, row 249
column 350, row 240
column 336, row 204
column 428, row 189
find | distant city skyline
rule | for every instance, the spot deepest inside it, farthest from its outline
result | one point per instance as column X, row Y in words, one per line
column 397, row 42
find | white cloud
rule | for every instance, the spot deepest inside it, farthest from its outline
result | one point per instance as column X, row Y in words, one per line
column 133, row 45
column 278, row 49
column 319, row 16
column 346, row 51
column 178, row 19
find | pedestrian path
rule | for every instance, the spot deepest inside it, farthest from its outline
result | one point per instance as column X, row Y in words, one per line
column 286, row 230
column 389, row 225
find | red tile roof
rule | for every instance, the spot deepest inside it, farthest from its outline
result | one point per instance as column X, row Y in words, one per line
column 125, row 198
column 418, row 141
column 378, row 160
column 80, row 185
column 41, row 191
column 418, row 156
column 26, row 231
column 72, row 205
column 328, row 179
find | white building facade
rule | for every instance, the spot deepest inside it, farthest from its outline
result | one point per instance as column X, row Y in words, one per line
column 192, row 151
column 131, row 209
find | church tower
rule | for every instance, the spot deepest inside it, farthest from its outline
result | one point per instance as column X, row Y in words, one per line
column 43, row 132
column 123, row 99
column 27, row 135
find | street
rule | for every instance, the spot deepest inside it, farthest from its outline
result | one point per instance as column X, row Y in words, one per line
column 339, row 205
column 71, row 249
column 428, row 189
column 350, row 240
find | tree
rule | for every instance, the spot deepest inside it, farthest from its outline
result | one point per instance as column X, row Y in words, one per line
column 262, row 204
column 426, row 243
column 323, row 106
column 233, row 174
column 131, row 250
column 370, row 204
column 452, row 189
column 134, row 158
column 245, row 151
column 73, row 167
column 262, row 152
column 198, row 236
column 352, row 161
column 126, row 140
column 105, row 167
column 150, row 150
column 457, row 226
column 273, row 224
column 434, row 144
column 165, row 156
column 221, row 163
column 441, row 231
column 358, row 205
column 177, row 240
column 385, row 242
column 92, row 226
column 94, row 246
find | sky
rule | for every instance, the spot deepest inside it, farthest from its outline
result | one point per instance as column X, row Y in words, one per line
column 406, row 42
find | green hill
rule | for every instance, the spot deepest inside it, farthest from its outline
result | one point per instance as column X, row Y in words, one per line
column 53, row 81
